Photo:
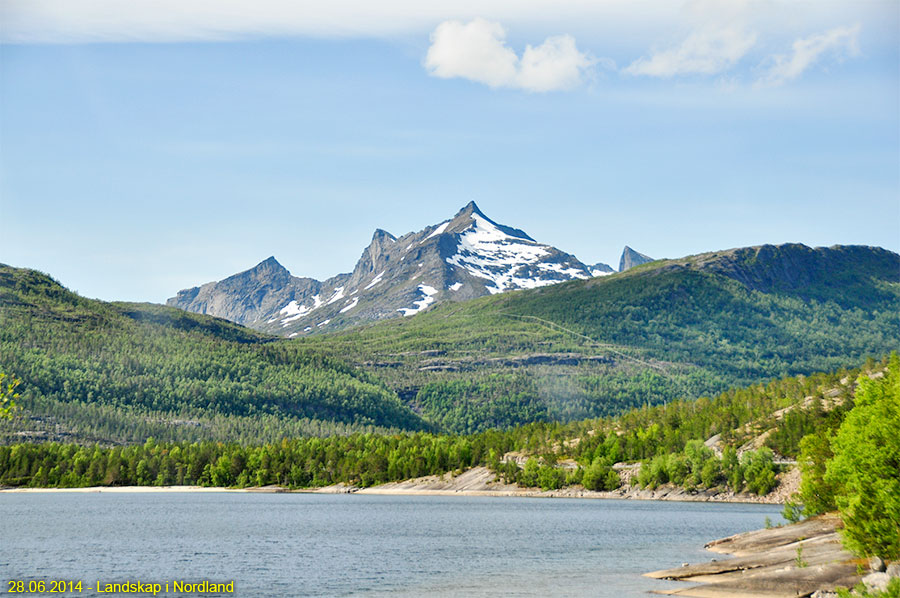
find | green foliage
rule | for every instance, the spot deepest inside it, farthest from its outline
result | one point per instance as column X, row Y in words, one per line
column 483, row 402
column 529, row 476
column 551, row 478
column 816, row 493
column 865, row 469
column 792, row 512
column 861, row 591
column 813, row 419
column 755, row 471
column 759, row 471
column 361, row 459
column 8, row 395
column 600, row 476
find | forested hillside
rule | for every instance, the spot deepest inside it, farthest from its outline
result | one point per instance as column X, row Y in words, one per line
column 660, row 331
column 122, row 372
column 672, row 441
column 671, row 329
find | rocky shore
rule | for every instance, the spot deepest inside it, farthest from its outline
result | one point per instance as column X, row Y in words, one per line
column 799, row 560
column 481, row 481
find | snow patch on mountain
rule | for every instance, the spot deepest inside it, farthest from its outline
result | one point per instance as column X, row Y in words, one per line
column 487, row 252
column 293, row 308
column 375, row 281
column 338, row 295
column 439, row 230
column 294, row 311
column 350, row 305
column 561, row 269
column 428, row 292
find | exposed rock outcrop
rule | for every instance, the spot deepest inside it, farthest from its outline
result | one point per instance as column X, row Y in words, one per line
column 631, row 258
column 782, row 562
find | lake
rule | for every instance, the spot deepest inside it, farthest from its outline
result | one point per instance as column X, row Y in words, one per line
column 362, row 545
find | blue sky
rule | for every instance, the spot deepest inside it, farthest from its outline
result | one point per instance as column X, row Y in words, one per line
column 152, row 151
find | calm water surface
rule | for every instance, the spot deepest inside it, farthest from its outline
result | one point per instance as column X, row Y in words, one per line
column 357, row 545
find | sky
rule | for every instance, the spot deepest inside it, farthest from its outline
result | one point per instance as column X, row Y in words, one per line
column 147, row 150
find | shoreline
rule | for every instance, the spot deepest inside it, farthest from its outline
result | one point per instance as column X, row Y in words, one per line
column 375, row 491
column 478, row 481
column 793, row 560
column 135, row 490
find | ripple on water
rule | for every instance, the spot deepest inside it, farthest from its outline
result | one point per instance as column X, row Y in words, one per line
column 358, row 545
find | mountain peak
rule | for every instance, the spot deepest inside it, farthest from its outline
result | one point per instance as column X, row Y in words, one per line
column 270, row 264
column 381, row 234
column 471, row 213
column 631, row 258
column 470, row 209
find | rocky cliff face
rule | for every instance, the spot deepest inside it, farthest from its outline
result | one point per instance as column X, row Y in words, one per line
column 631, row 258
column 464, row 257
column 842, row 273
column 248, row 296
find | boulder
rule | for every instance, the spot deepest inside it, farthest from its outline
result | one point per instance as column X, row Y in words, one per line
column 876, row 582
column 876, row 564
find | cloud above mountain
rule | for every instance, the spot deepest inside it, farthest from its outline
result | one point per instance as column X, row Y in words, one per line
column 468, row 39
column 478, row 51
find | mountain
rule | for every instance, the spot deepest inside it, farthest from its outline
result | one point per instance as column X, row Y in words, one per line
column 681, row 328
column 601, row 269
column 464, row 257
column 688, row 327
column 248, row 296
column 631, row 258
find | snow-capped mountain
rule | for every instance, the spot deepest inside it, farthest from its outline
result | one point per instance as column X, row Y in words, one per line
column 464, row 257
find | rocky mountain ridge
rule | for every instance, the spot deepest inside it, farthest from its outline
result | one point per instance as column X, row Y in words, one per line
column 464, row 257
column 631, row 258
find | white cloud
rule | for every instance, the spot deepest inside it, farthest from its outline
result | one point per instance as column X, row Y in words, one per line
column 555, row 64
column 806, row 51
column 477, row 51
column 709, row 51
column 623, row 25
column 63, row 21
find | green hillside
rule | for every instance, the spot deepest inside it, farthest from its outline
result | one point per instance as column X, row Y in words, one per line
column 664, row 330
column 123, row 371
column 668, row 439
column 590, row 348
